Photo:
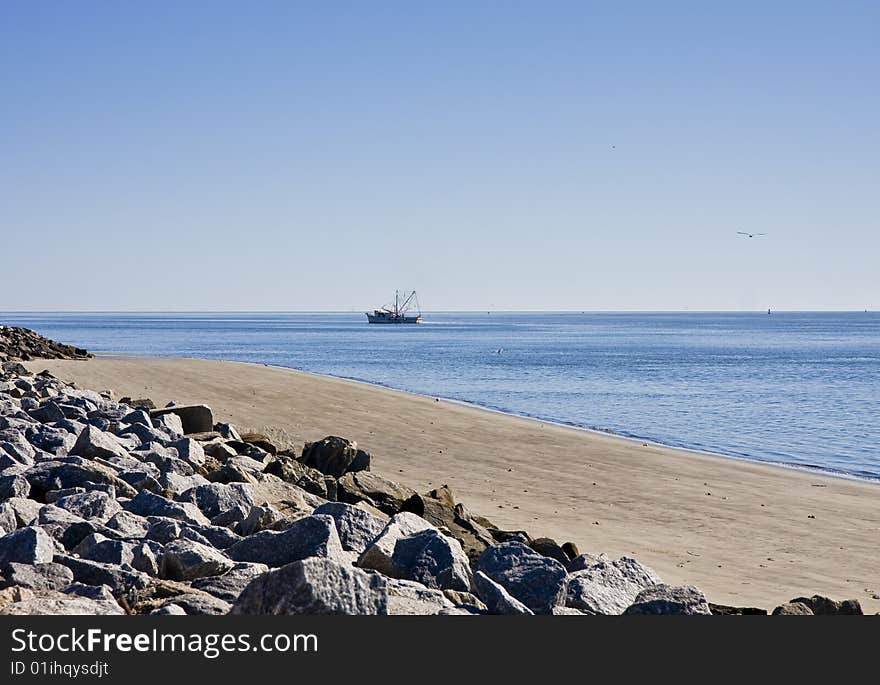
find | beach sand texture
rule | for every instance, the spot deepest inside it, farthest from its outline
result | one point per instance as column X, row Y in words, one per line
column 747, row 534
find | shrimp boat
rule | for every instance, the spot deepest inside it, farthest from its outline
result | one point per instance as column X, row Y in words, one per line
column 399, row 311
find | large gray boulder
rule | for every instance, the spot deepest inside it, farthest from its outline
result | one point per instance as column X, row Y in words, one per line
column 496, row 598
column 14, row 485
column 311, row 536
column 535, row 580
column 357, row 527
column 230, row 585
column 670, row 600
column 191, row 451
column 365, row 486
column 380, row 552
column 608, row 587
column 432, row 559
column 30, row 545
column 409, row 598
column 188, row 560
column 93, row 443
column 48, row 576
column 62, row 605
column 215, row 499
column 150, row 504
column 120, row 579
column 92, row 505
column 314, row 586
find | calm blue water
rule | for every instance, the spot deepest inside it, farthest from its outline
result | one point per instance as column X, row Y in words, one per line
column 796, row 388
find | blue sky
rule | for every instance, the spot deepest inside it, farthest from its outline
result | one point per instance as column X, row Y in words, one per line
column 521, row 155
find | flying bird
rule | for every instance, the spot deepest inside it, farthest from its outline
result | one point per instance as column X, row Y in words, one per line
column 750, row 235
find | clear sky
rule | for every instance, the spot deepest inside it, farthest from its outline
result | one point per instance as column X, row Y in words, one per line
column 505, row 155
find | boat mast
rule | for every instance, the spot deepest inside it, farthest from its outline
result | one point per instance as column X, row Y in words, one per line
column 396, row 308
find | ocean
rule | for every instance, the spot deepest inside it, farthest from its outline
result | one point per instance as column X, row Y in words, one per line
column 801, row 389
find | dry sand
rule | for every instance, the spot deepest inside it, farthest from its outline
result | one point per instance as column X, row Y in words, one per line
column 745, row 533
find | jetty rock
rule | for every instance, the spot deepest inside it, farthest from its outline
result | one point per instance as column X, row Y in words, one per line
column 23, row 344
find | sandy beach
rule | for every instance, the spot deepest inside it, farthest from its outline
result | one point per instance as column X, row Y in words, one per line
column 747, row 534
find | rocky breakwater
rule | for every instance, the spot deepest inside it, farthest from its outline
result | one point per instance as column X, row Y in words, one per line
column 23, row 344
column 117, row 507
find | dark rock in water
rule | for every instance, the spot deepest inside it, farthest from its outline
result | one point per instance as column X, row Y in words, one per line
column 312, row 536
column 496, row 598
column 548, row 547
column 48, row 576
column 314, row 586
column 195, row 418
column 608, row 587
column 188, row 560
column 149, row 504
column 823, row 606
column 295, row 472
column 93, row 443
column 14, row 486
column 357, row 528
column 670, row 600
column 31, row 545
column 335, row 456
column 229, row 586
column 364, row 486
column 533, row 579
column 432, row 559
column 793, row 609
column 723, row 610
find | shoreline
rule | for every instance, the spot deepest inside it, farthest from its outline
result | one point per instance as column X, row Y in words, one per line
column 806, row 468
column 745, row 532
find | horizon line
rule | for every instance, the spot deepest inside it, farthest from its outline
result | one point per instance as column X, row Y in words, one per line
column 432, row 311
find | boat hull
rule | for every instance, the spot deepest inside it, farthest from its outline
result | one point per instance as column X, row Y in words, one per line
column 374, row 318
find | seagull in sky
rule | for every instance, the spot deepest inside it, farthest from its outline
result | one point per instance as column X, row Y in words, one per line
column 750, row 235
